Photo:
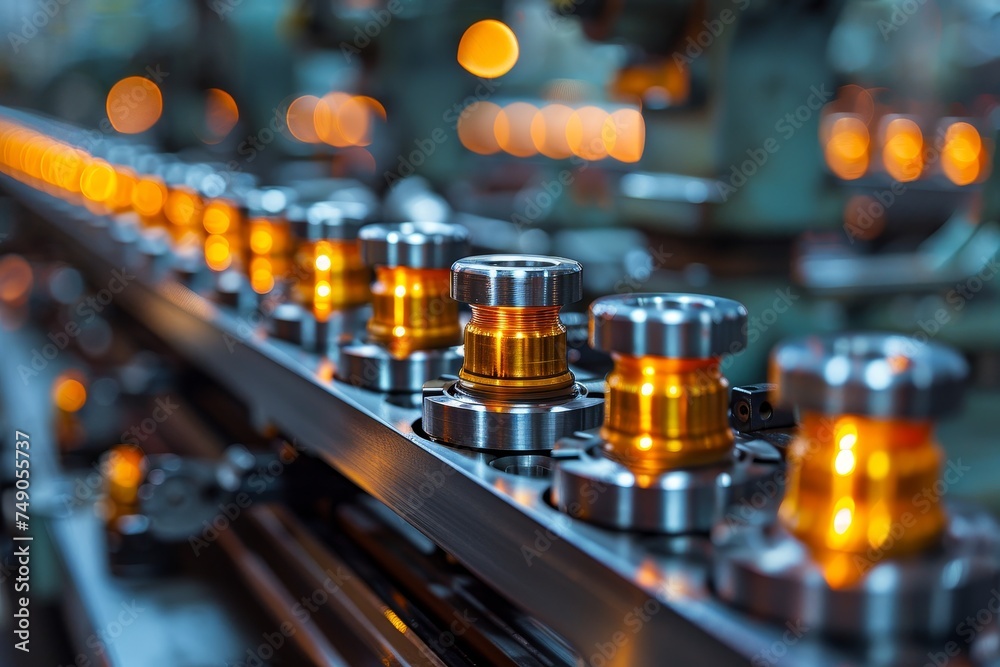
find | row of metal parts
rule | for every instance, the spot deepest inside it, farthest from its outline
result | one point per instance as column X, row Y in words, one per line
column 862, row 545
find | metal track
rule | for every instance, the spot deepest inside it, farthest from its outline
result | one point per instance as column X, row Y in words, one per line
column 617, row 599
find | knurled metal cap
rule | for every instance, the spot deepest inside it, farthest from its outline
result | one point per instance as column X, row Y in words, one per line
column 520, row 281
column 417, row 245
column 874, row 374
column 673, row 325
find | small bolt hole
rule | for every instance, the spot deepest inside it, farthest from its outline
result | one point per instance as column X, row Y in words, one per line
column 743, row 412
column 765, row 411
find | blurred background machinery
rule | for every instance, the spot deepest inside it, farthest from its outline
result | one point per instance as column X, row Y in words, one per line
column 829, row 165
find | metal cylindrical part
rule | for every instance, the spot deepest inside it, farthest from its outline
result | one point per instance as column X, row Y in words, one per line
column 184, row 206
column 515, row 342
column 876, row 374
column 865, row 447
column 411, row 306
column 267, row 244
column 329, row 271
column 666, row 400
column 223, row 221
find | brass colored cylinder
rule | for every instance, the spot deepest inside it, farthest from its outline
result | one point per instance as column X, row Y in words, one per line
column 859, row 484
column 412, row 310
column 330, row 275
column 662, row 413
column 518, row 350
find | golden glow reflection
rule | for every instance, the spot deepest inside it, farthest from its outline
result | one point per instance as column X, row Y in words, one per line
column 962, row 154
column 69, row 393
column 134, row 105
column 488, row 49
column 846, row 148
column 903, row 149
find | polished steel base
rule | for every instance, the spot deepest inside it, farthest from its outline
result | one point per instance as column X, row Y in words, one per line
column 291, row 322
column 588, row 485
column 373, row 367
column 770, row 573
column 458, row 419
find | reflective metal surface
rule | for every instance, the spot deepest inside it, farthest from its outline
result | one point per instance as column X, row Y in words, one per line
column 416, row 245
column 373, row 367
column 682, row 326
column 589, row 486
column 925, row 597
column 881, row 376
column 529, row 425
column 517, row 281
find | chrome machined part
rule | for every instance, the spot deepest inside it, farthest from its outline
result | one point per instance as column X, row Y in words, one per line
column 680, row 326
column 293, row 323
column 664, row 460
column 589, row 486
column 532, row 425
column 924, row 597
column 516, row 281
column 416, row 245
column 414, row 325
column 877, row 375
column 373, row 367
column 328, row 220
column 515, row 390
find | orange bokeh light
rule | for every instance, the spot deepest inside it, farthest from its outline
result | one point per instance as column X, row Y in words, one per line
column 585, row 132
column 299, row 119
column 218, row 255
column 846, row 146
column 16, row 279
column 148, row 197
column 98, row 181
column 962, row 155
column 624, row 135
column 548, row 131
column 488, row 49
column 218, row 217
column 903, row 149
column 342, row 120
column 182, row 207
column 476, row 125
column 221, row 114
column 68, row 393
column 512, row 129
column 134, row 105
